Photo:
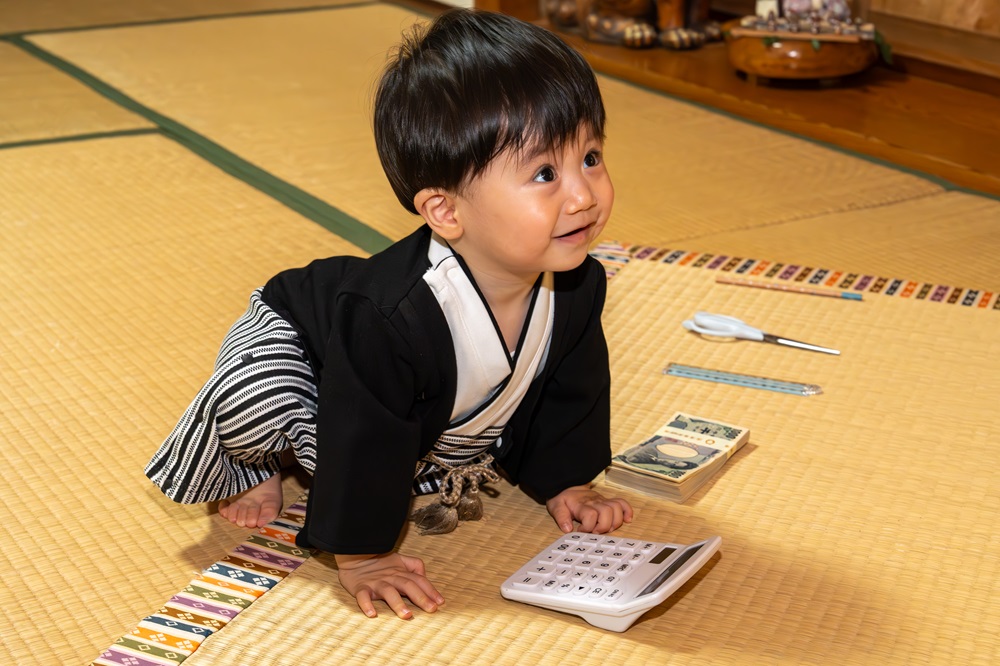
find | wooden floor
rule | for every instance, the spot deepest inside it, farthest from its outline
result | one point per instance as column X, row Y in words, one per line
column 919, row 123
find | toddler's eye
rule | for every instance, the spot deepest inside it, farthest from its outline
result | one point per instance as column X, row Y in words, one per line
column 545, row 175
column 592, row 159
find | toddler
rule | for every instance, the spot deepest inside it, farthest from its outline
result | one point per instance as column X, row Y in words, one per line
column 470, row 348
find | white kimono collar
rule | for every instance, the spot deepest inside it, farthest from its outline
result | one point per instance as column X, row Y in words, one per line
column 489, row 389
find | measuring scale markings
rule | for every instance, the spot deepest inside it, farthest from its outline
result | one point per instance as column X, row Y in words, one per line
column 735, row 379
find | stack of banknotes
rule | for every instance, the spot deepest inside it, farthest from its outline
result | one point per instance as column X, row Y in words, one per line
column 679, row 458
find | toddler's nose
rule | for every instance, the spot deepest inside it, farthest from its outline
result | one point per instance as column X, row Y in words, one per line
column 581, row 196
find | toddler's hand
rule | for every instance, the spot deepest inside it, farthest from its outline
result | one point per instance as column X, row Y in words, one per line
column 389, row 577
column 596, row 513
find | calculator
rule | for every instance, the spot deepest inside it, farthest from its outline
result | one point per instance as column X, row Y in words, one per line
column 609, row 581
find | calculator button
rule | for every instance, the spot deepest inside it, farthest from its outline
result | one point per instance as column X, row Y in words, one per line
column 565, row 587
column 550, row 584
column 610, row 541
column 579, row 575
column 528, row 582
column 576, row 537
column 615, row 594
column 599, row 552
column 593, row 577
column 542, row 569
column 580, row 590
column 567, row 560
column 646, row 547
column 563, row 547
column 605, row 566
column 592, row 538
column 587, row 562
column 580, row 548
column 610, row 579
column 563, row 572
column 631, row 545
column 636, row 558
column 597, row 592
column 624, row 569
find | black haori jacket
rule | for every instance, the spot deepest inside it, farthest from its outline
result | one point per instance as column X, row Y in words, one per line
column 385, row 362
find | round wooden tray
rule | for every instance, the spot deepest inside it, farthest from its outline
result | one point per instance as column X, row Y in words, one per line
column 777, row 58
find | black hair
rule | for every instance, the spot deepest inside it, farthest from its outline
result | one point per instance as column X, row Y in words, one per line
column 469, row 87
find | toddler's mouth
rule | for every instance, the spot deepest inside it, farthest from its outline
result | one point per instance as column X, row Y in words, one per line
column 576, row 231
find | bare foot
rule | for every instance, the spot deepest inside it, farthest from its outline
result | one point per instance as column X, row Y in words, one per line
column 255, row 507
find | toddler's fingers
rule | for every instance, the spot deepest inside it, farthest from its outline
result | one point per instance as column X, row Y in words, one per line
column 428, row 587
column 413, row 564
column 416, row 565
column 396, row 603
column 619, row 516
column 563, row 517
column 628, row 513
column 609, row 518
column 364, row 599
column 588, row 517
column 422, row 593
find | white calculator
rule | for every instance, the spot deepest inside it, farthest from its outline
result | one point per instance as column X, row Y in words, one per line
column 609, row 581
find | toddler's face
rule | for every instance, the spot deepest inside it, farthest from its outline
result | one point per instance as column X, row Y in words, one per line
column 534, row 212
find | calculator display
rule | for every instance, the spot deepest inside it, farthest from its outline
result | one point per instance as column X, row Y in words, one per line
column 663, row 555
column 669, row 571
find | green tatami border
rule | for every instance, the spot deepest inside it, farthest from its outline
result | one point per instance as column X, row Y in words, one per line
column 69, row 138
column 302, row 202
column 188, row 19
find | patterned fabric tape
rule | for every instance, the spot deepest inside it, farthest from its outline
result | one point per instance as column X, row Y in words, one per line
column 615, row 256
column 214, row 597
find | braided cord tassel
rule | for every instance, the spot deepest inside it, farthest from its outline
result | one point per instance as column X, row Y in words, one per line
column 458, row 497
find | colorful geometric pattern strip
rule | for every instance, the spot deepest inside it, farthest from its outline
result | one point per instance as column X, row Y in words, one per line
column 615, row 256
column 214, row 597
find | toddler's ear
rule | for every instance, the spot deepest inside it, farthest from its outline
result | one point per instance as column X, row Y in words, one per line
column 437, row 207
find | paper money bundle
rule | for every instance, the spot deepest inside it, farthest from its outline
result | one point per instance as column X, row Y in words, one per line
column 679, row 458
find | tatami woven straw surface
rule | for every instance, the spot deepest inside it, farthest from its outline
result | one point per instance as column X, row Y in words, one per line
column 38, row 102
column 315, row 70
column 859, row 526
column 850, row 540
column 682, row 173
column 699, row 172
column 124, row 261
column 930, row 238
column 34, row 15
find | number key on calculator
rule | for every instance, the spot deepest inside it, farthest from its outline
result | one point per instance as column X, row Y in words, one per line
column 609, row 581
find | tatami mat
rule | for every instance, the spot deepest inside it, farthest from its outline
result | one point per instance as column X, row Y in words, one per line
column 849, row 537
column 39, row 102
column 315, row 70
column 947, row 238
column 859, row 526
column 35, row 15
column 124, row 261
column 681, row 171
column 850, row 540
